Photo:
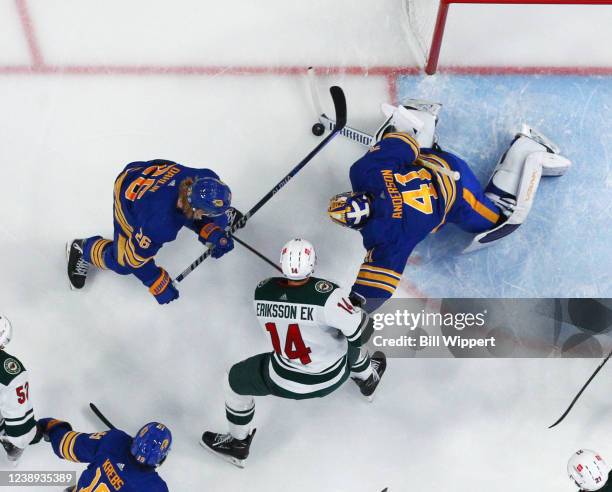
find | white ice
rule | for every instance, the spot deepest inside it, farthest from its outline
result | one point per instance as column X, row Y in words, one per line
column 462, row 425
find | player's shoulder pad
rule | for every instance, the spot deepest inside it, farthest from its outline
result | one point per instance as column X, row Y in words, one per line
column 10, row 368
column 321, row 290
column 116, row 435
column 265, row 284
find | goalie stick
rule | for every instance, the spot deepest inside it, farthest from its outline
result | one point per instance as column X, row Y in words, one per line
column 603, row 363
column 340, row 109
column 101, row 416
column 355, row 135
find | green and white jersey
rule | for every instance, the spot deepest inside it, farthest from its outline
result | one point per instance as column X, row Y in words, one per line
column 18, row 424
column 309, row 327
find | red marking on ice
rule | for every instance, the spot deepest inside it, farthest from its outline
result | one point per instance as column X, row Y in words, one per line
column 28, row 29
column 390, row 73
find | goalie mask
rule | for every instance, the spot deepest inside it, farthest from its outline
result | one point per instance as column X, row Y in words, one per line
column 588, row 470
column 350, row 209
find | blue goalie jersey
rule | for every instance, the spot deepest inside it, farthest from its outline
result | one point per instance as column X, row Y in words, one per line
column 409, row 201
column 111, row 465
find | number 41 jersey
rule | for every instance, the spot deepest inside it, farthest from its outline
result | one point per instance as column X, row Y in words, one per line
column 310, row 326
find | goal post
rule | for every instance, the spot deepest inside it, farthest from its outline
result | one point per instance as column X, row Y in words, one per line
column 427, row 22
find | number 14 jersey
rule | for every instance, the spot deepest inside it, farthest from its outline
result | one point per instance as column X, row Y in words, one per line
column 310, row 327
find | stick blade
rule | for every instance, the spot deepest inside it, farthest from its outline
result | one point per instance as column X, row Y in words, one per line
column 337, row 95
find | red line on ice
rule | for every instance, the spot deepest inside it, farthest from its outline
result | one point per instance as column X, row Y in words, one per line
column 30, row 34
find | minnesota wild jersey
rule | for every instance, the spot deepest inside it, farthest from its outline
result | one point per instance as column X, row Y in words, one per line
column 17, row 415
column 310, row 328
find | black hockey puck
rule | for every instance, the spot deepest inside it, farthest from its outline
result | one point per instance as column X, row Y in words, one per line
column 318, row 129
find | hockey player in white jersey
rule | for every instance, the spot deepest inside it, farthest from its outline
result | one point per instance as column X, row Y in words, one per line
column 17, row 424
column 316, row 334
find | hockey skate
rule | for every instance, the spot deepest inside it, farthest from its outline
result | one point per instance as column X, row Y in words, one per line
column 236, row 451
column 13, row 453
column 368, row 386
column 77, row 266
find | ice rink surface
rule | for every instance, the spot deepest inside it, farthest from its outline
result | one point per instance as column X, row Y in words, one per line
column 88, row 107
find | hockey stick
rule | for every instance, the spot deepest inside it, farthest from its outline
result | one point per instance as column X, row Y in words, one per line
column 603, row 363
column 325, row 122
column 356, row 135
column 101, row 416
column 257, row 253
column 340, row 109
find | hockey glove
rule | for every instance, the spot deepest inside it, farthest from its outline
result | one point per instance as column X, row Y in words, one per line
column 43, row 426
column 357, row 300
column 234, row 218
column 162, row 288
column 214, row 237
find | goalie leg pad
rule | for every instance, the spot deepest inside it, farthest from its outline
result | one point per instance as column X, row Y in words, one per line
column 527, row 185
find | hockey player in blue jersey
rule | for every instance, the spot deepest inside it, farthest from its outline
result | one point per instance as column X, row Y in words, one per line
column 406, row 187
column 152, row 201
column 116, row 460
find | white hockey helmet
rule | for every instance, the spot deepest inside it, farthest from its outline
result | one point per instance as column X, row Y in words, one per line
column 588, row 470
column 6, row 332
column 298, row 259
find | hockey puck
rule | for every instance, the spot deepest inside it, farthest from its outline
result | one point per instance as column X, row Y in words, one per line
column 318, row 129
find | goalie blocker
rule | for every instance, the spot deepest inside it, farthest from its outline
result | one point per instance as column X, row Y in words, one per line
column 515, row 180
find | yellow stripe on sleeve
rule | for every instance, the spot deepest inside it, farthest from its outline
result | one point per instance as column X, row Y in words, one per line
column 119, row 215
column 71, row 454
column 382, row 278
column 376, row 285
column 66, row 444
column 136, row 255
column 385, row 271
column 131, row 256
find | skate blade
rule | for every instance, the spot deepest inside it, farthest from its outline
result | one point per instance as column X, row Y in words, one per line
column 230, row 459
column 68, row 246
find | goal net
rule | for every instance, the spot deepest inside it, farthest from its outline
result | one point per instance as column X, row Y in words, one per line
column 426, row 21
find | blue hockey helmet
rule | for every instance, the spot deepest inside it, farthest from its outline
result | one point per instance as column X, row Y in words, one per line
column 152, row 444
column 210, row 195
column 350, row 209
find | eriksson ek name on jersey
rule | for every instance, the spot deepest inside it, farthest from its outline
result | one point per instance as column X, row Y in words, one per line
column 273, row 310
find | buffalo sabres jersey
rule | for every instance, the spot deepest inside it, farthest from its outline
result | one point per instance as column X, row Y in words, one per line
column 111, row 464
column 309, row 328
column 408, row 202
column 18, row 425
column 146, row 196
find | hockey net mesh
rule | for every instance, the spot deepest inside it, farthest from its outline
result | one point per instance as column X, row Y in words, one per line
column 419, row 25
